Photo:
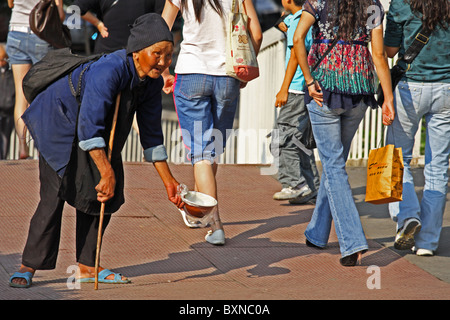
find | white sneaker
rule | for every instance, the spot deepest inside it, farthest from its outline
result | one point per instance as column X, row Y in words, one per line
column 291, row 193
column 424, row 253
column 217, row 237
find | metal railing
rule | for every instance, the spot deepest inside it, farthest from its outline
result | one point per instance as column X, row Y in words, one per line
column 248, row 142
column 132, row 150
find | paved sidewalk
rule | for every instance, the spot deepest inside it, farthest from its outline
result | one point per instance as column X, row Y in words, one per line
column 265, row 257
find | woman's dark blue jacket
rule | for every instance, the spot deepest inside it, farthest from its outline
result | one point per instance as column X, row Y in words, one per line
column 52, row 116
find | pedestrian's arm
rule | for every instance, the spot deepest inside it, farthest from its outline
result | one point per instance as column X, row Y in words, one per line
column 92, row 19
column 382, row 67
column 169, row 13
column 253, row 26
column 105, row 188
column 391, row 51
column 59, row 5
column 11, row 3
column 291, row 68
column 305, row 23
column 395, row 22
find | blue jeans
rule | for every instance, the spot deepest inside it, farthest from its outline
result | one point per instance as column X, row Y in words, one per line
column 205, row 106
column 25, row 48
column 413, row 101
column 333, row 131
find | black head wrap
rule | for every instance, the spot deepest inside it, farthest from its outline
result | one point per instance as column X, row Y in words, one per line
column 147, row 30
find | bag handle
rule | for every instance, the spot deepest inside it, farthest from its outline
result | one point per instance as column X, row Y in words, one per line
column 239, row 8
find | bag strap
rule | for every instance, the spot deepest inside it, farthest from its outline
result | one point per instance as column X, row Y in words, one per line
column 77, row 92
column 420, row 40
column 330, row 47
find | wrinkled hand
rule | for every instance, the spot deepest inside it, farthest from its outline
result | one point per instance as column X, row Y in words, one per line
column 388, row 111
column 174, row 197
column 105, row 188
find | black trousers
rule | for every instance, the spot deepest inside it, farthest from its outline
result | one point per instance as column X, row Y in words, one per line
column 42, row 246
column 6, row 126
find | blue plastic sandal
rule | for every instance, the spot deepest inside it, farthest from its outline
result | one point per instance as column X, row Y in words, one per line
column 102, row 275
column 19, row 275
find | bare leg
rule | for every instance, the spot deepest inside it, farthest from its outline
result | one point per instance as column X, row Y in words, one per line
column 19, row 71
column 205, row 182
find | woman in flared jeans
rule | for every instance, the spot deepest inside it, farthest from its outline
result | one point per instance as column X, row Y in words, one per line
column 333, row 131
column 340, row 89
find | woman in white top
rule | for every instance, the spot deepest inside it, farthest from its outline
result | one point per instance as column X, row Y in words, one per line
column 24, row 49
column 205, row 97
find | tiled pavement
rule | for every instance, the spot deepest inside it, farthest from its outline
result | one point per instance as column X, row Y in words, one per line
column 265, row 256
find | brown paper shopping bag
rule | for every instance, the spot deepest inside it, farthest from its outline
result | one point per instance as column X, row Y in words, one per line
column 384, row 175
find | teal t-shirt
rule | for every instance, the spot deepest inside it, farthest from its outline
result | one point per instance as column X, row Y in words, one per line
column 433, row 62
column 291, row 21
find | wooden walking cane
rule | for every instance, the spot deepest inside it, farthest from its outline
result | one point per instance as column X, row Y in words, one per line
column 102, row 207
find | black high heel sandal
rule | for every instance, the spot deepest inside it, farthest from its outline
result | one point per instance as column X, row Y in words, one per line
column 352, row 260
column 312, row 245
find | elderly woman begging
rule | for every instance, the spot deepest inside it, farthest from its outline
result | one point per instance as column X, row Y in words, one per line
column 70, row 133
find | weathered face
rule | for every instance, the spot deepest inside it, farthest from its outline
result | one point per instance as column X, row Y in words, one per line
column 153, row 60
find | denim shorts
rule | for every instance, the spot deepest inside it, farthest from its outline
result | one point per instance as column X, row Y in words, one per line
column 25, row 48
column 206, row 106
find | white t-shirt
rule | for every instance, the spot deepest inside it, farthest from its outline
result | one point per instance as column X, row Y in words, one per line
column 21, row 12
column 203, row 47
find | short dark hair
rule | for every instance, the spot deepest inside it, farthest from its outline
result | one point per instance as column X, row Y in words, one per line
column 299, row 3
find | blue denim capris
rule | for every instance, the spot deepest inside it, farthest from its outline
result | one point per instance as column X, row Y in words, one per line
column 206, row 106
column 25, row 47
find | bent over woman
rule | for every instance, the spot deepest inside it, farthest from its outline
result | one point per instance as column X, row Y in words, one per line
column 62, row 124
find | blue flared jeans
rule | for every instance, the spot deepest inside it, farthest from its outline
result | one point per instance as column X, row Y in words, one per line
column 333, row 131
